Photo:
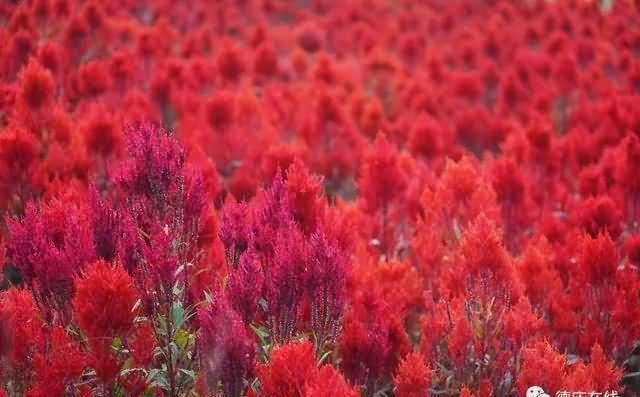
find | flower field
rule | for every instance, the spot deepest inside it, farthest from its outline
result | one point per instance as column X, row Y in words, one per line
column 319, row 198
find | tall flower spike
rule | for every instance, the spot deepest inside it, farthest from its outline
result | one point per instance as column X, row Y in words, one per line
column 195, row 206
column 49, row 246
column 271, row 213
column 59, row 368
column 244, row 286
column 365, row 349
column 381, row 179
column 597, row 259
column 326, row 285
column 154, row 168
column 21, row 336
column 234, row 229
column 285, row 282
column 542, row 366
column 227, row 352
column 413, row 378
column 305, row 195
column 105, row 224
column 161, row 264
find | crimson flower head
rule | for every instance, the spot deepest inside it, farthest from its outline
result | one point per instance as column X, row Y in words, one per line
column 36, row 88
column 58, row 368
column 285, row 282
column 542, row 366
column 326, row 286
column 230, row 63
column 597, row 259
column 104, row 301
column 426, row 136
column 94, row 79
column 227, row 352
column 220, row 110
column 101, row 132
column 287, row 372
column 599, row 214
column 234, row 229
column 106, row 225
column 628, row 169
column 271, row 213
column 381, row 178
column 18, row 152
column 265, row 61
column 483, row 252
column 161, row 261
column 328, row 382
column 244, row 286
column 305, row 193
column 159, row 188
column 413, row 378
column 508, row 182
column 21, row 335
column 153, row 169
column 49, row 246
column 365, row 350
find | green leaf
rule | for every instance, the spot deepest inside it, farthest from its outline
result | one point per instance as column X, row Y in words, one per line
column 161, row 329
column 190, row 373
column 157, row 378
column 175, row 354
column 177, row 316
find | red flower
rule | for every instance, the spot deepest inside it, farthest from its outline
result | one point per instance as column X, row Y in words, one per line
column 413, row 378
column 599, row 374
column 597, row 259
column 59, row 368
column 291, row 366
column 220, row 110
column 465, row 392
column 365, row 350
column 542, row 366
column 143, row 344
column 227, row 353
column 599, row 214
column 18, row 153
column 381, row 178
column 326, row 286
column 94, row 79
column 101, row 132
column 36, row 88
column 21, row 335
column 426, row 136
column 104, row 301
column 285, row 283
column 234, row 229
column 328, row 382
column 305, row 193
column 265, row 61
column 244, row 286
column 230, row 62
column 482, row 252
column 49, row 246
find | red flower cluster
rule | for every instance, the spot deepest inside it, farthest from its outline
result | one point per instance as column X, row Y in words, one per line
column 319, row 198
